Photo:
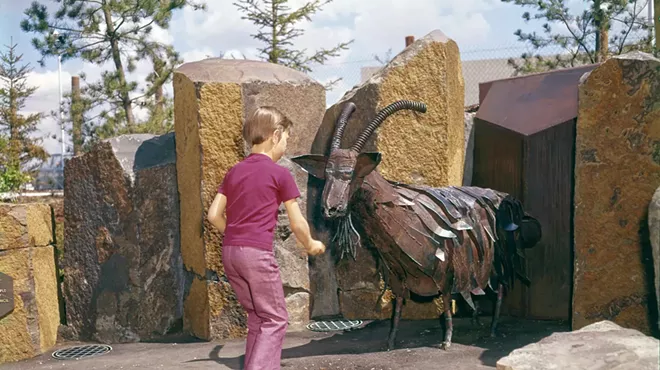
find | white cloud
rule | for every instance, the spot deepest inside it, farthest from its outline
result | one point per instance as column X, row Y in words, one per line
column 197, row 54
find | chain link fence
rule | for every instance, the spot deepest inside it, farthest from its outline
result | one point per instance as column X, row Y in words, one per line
column 478, row 65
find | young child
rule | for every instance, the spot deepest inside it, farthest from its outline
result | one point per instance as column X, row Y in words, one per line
column 251, row 193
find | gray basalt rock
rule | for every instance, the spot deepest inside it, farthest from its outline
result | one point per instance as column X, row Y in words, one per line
column 124, row 279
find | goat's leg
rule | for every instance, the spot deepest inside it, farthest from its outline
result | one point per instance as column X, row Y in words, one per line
column 498, row 308
column 475, row 315
column 395, row 322
column 449, row 325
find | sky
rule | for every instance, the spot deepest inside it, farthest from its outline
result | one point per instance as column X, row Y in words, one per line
column 482, row 29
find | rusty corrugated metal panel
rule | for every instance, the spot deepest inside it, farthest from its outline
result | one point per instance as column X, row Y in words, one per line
column 497, row 159
column 538, row 169
column 548, row 195
column 498, row 165
column 533, row 103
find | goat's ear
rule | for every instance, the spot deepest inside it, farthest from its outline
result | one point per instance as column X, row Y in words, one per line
column 314, row 164
column 366, row 162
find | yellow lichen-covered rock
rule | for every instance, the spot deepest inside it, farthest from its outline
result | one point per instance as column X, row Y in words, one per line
column 23, row 225
column 31, row 328
column 417, row 148
column 211, row 99
column 617, row 170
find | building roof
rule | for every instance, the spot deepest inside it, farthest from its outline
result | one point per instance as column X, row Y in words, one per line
column 532, row 103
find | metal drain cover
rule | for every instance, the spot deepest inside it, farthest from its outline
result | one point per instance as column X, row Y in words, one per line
column 80, row 352
column 335, row 325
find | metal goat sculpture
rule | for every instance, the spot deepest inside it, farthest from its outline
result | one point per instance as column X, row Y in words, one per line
column 432, row 240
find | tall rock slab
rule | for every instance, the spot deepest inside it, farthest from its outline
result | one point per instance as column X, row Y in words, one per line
column 617, row 170
column 211, row 99
column 654, row 233
column 29, row 305
column 417, row 148
column 123, row 273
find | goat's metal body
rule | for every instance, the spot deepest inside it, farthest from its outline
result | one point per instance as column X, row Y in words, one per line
column 432, row 240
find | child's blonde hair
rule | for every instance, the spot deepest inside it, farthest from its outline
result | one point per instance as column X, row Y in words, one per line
column 263, row 123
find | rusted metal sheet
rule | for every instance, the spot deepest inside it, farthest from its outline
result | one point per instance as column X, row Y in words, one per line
column 497, row 158
column 6, row 295
column 524, row 145
column 548, row 195
column 532, row 103
column 498, row 165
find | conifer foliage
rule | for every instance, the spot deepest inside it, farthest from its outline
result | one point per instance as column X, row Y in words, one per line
column 21, row 152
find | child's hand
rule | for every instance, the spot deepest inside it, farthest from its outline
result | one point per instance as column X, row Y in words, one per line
column 315, row 247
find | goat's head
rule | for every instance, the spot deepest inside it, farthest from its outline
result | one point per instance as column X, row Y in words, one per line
column 345, row 169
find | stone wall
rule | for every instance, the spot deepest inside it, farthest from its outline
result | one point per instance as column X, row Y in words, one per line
column 417, row 148
column 211, row 99
column 27, row 258
column 123, row 274
column 617, row 170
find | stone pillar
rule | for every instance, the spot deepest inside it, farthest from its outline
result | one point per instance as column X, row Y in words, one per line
column 417, row 148
column 211, row 99
column 617, row 170
column 123, row 274
column 29, row 326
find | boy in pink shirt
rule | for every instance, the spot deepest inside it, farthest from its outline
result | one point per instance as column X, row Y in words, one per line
column 251, row 193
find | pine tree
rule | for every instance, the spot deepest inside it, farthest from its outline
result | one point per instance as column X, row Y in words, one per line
column 587, row 37
column 114, row 31
column 20, row 153
column 277, row 31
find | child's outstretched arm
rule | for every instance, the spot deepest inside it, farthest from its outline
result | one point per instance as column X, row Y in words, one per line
column 216, row 215
column 301, row 230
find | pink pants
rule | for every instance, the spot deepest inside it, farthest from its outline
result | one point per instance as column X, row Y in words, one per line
column 255, row 277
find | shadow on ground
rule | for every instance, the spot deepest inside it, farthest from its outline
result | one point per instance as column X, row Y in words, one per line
column 412, row 335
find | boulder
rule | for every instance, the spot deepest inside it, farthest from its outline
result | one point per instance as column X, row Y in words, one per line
column 27, row 265
column 417, row 148
column 617, row 126
column 212, row 97
column 654, row 233
column 297, row 305
column 123, row 273
column 599, row 346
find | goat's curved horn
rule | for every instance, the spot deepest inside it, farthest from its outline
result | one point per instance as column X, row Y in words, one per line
column 346, row 113
column 382, row 115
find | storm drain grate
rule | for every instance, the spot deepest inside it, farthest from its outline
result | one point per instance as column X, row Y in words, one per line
column 334, row 325
column 80, row 352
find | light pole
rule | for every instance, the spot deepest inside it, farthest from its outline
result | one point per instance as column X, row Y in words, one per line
column 59, row 105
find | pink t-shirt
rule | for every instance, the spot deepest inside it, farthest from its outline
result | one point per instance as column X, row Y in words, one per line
column 255, row 188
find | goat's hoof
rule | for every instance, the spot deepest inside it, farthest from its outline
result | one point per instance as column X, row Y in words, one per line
column 390, row 346
column 477, row 323
column 445, row 345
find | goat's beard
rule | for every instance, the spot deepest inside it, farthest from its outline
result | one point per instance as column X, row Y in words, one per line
column 346, row 237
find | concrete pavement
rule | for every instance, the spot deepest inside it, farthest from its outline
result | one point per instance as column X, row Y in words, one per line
column 417, row 348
